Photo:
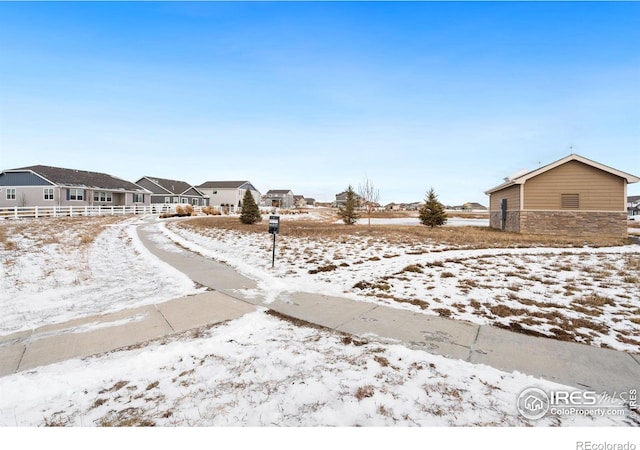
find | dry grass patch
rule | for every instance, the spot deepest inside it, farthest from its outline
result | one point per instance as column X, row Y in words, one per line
column 443, row 312
column 365, row 392
column 327, row 268
column 632, row 263
column 415, row 268
column 458, row 237
column 594, row 300
column 68, row 231
column 5, row 242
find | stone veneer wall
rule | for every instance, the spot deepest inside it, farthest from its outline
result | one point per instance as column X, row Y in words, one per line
column 513, row 221
column 574, row 223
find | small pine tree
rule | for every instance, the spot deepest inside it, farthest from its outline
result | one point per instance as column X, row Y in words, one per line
column 250, row 213
column 348, row 211
column 432, row 213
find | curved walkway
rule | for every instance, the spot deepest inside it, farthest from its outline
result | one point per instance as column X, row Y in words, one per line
column 567, row 363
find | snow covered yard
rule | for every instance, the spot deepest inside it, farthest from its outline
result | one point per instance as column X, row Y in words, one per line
column 558, row 288
column 55, row 270
column 262, row 370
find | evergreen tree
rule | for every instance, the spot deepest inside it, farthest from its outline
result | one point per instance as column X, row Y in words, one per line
column 348, row 211
column 250, row 213
column 432, row 213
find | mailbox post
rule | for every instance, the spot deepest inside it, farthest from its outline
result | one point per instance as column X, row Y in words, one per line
column 274, row 228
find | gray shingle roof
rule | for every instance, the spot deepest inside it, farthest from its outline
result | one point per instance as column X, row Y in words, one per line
column 83, row 178
column 222, row 184
column 176, row 187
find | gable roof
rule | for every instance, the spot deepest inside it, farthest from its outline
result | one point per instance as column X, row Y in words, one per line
column 279, row 191
column 223, row 184
column 81, row 178
column 166, row 186
column 474, row 205
column 343, row 194
column 522, row 177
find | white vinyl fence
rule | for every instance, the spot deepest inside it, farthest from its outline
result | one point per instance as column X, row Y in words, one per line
column 74, row 211
column 20, row 212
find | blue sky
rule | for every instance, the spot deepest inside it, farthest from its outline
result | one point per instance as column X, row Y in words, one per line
column 315, row 96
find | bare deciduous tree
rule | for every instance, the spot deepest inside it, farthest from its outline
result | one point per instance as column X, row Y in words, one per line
column 370, row 197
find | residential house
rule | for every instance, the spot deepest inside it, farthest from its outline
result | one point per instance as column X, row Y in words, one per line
column 282, row 198
column 474, row 206
column 299, row 201
column 164, row 191
column 341, row 199
column 310, row 202
column 571, row 196
column 55, row 186
column 415, row 206
column 392, row 207
column 228, row 193
column 633, row 205
column 469, row 206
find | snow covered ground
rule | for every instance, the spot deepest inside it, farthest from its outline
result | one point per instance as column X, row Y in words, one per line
column 260, row 370
column 257, row 370
column 588, row 295
column 54, row 270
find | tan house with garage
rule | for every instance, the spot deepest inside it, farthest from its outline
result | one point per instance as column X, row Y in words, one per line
column 572, row 196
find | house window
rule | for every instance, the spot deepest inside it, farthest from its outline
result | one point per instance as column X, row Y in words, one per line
column 48, row 193
column 570, row 201
column 184, row 200
column 167, row 199
column 102, row 196
column 11, row 193
column 194, row 201
column 175, row 199
column 138, row 198
column 76, row 194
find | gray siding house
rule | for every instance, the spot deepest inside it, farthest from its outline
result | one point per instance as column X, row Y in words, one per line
column 633, row 205
column 54, row 186
column 341, row 199
column 228, row 193
column 279, row 198
column 164, row 191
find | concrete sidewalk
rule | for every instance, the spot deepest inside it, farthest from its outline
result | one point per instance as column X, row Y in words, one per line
column 567, row 363
column 129, row 327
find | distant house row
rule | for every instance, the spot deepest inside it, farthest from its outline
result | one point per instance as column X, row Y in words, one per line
column 571, row 196
column 574, row 195
column 54, row 186
column 415, row 206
